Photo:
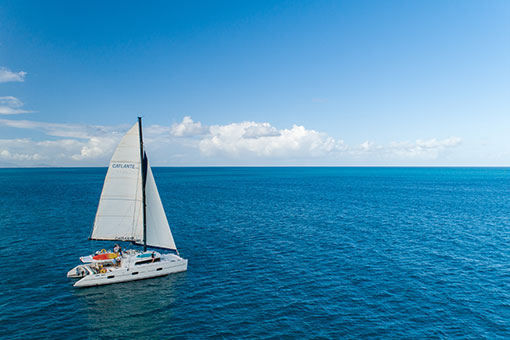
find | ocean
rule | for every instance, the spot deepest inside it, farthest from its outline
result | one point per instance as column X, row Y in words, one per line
column 274, row 253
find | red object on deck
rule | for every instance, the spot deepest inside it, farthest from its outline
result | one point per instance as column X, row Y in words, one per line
column 105, row 256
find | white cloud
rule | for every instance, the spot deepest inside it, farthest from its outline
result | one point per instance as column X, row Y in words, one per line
column 263, row 140
column 247, row 141
column 367, row 146
column 188, row 128
column 420, row 149
column 63, row 152
column 191, row 143
column 261, row 130
column 18, row 151
column 96, row 148
column 10, row 105
column 434, row 143
column 11, row 101
column 6, row 154
column 7, row 75
column 75, row 144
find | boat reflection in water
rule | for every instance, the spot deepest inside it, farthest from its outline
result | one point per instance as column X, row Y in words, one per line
column 136, row 309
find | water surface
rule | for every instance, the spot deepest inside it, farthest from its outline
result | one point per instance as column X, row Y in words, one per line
column 274, row 253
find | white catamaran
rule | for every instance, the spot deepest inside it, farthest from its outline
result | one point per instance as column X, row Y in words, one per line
column 130, row 209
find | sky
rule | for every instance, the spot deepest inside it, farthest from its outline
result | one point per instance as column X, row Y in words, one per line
column 256, row 83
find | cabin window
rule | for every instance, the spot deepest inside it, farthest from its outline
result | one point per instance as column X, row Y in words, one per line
column 146, row 261
column 110, row 277
column 134, row 273
column 159, row 269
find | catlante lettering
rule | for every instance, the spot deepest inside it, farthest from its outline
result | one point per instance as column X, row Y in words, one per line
column 123, row 166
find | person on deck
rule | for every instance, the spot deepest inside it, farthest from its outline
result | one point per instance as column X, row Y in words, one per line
column 116, row 261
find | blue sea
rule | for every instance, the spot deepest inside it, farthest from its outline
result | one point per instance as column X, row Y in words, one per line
column 274, row 253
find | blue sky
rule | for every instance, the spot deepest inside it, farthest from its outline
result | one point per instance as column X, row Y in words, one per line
column 257, row 83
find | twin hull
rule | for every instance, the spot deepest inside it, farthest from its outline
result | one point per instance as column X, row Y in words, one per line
column 168, row 264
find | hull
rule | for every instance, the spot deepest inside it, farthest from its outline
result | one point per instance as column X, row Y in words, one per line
column 167, row 264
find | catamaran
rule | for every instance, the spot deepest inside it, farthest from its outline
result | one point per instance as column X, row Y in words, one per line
column 130, row 209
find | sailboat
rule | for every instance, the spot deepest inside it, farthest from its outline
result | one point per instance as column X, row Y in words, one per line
column 130, row 209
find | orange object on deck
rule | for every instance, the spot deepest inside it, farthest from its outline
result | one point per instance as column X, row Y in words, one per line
column 106, row 256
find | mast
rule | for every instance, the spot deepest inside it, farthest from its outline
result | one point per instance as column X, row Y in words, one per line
column 144, row 178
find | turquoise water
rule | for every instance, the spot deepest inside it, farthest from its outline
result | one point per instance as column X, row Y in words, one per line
column 274, row 253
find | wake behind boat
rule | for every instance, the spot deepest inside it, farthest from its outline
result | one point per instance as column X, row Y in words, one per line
column 130, row 209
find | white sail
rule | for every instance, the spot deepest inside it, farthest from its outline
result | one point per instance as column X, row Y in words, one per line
column 119, row 214
column 158, row 230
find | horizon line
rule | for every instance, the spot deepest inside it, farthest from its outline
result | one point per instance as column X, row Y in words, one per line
column 267, row 166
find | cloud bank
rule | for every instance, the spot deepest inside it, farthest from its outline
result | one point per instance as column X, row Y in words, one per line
column 193, row 143
column 263, row 140
column 66, row 144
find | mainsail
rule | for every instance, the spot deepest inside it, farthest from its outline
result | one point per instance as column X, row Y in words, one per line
column 120, row 212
